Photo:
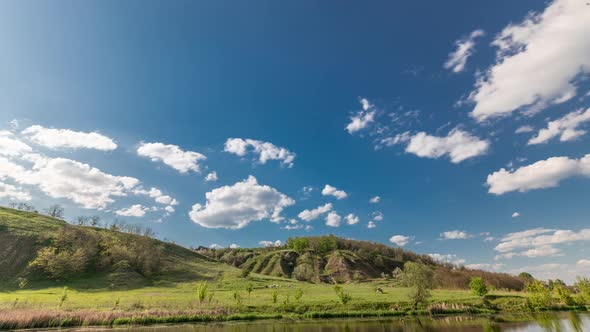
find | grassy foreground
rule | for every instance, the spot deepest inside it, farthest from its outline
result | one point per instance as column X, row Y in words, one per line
column 228, row 299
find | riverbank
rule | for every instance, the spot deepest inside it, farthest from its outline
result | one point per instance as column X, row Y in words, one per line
column 58, row 318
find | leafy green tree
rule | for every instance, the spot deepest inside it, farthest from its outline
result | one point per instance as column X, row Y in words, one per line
column 539, row 295
column 327, row 244
column 563, row 293
column 583, row 286
column 419, row 278
column 298, row 244
column 527, row 277
column 478, row 286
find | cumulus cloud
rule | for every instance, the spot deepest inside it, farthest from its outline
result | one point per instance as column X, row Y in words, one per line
column 361, row 119
column 465, row 46
column 529, row 74
column 276, row 243
column 66, row 138
column 333, row 219
column 264, row 150
column 332, row 191
column 566, row 127
column 172, row 155
column 400, row 240
column 447, row 258
column 64, row 178
column 458, row 145
column 136, row 210
column 523, row 129
column 234, row 246
column 375, row 200
column 8, row 191
column 235, row 206
column 309, row 215
column 455, row 235
column 540, row 239
column 351, row 219
column 157, row 195
column 378, row 216
column 583, row 263
column 211, row 177
column 11, row 146
column 542, row 174
column 371, row 224
column 515, row 215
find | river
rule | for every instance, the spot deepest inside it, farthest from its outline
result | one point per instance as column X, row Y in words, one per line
column 557, row 322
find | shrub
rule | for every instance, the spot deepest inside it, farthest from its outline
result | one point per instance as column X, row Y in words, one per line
column 564, row 294
column 202, row 291
column 583, row 286
column 275, row 295
column 478, row 286
column 539, row 295
column 343, row 297
column 298, row 294
column 238, row 298
column 249, row 289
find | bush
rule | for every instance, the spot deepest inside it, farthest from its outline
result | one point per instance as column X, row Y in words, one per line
column 275, row 296
column 202, row 291
column 564, row 294
column 298, row 294
column 478, row 287
column 539, row 295
column 343, row 297
column 583, row 286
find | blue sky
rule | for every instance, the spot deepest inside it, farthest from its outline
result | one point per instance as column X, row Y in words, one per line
column 416, row 103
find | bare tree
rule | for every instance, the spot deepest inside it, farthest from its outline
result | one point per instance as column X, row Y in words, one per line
column 94, row 221
column 55, row 211
column 81, row 220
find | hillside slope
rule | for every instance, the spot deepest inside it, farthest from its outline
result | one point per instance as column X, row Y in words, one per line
column 36, row 248
column 332, row 259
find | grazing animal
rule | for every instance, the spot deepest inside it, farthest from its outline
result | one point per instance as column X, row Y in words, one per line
column 379, row 290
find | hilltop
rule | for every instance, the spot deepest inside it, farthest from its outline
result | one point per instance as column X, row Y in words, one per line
column 36, row 248
column 329, row 259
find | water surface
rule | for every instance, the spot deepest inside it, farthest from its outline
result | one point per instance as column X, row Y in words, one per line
column 558, row 322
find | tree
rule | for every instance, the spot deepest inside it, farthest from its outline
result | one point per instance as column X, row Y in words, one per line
column 419, row 278
column 94, row 221
column 478, row 286
column 583, row 286
column 527, row 277
column 299, row 244
column 55, row 211
column 327, row 244
column 539, row 295
column 202, row 291
column 81, row 220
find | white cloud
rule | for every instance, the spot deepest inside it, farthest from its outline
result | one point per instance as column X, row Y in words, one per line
column 333, row 219
column 455, row 235
column 539, row 239
column 66, row 138
column 169, row 209
column 266, row 151
column 234, row 246
column 458, row 145
column 136, row 210
column 583, row 262
column 211, row 177
column 378, row 216
column 465, row 46
column 375, row 200
column 172, row 155
column 541, row 251
column 371, row 224
column 361, row 119
column 523, row 129
column 157, row 194
column 542, row 174
column 309, row 215
column 64, row 178
column 566, row 127
column 351, row 219
column 332, row 191
column 447, row 258
column 276, row 243
column 515, row 215
column 399, row 138
column 10, row 146
column 400, row 240
column 11, row 192
column 235, row 206
column 215, row 246
column 527, row 73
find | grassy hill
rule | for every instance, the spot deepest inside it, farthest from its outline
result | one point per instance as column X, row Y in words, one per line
column 44, row 251
column 332, row 259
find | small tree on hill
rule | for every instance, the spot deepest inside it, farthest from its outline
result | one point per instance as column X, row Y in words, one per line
column 478, row 286
column 55, row 211
column 298, row 244
column 539, row 295
column 419, row 278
